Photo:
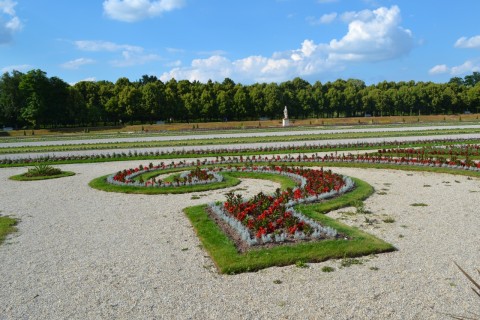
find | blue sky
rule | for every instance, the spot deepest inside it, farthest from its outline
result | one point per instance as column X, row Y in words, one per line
column 248, row 41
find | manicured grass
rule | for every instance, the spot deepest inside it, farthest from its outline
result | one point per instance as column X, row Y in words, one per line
column 232, row 125
column 236, row 140
column 96, row 158
column 230, row 179
column 228, row 260
column 23, row 177
column 7, row 225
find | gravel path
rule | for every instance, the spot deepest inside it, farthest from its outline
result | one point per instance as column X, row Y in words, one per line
column 247, row 133
column 86, row 254
column 244, row 145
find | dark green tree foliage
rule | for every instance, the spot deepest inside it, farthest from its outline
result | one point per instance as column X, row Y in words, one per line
column 32, row 99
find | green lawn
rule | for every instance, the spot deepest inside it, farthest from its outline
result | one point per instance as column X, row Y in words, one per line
column 7, row 225
column 228, row 260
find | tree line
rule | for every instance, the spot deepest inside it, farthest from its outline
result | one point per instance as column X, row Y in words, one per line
column 32, row 99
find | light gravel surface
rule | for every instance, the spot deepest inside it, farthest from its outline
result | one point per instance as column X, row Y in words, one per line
column 86, row 254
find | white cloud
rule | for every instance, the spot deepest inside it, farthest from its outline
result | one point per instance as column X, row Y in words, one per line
column 21, row 68
column 468, row 66
column 372, row 36
column 97, row 45
column 77, row 63
column 464, row 42
column 439, row 69
column 324, row 19
column 89, row 79
column 9, row 22
column 132, row 58
column 363, row 15
column 135, row 10
column 130, row 55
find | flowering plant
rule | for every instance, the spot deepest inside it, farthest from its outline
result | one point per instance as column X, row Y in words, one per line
column 272, row 218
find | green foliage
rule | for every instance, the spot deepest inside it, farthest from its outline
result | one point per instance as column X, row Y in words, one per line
column 34, row 99
column 42, row 170
column 328, row 269
column 7, row 225
column 230, row 179
column 228, row 260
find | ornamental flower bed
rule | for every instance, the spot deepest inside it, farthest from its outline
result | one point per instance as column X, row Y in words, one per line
column 190, row 178
column 272, row 219
column 208, row 151
column 126, row 176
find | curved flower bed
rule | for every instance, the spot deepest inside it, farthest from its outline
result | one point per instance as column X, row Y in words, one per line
column 126, row 177
column 272, row 218
column 193, row 177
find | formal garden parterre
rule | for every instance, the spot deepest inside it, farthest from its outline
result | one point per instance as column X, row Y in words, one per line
column 249, row 229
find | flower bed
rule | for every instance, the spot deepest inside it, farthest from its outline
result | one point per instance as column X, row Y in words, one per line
column 272, row 219
column 215, row 151
column 126, row 177
column 193, row 177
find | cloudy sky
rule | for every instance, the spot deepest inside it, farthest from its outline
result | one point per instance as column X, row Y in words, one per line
column 248, row 41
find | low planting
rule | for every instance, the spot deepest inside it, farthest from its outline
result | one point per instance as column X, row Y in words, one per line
column 229, row 260
column 230, row 177
column 225, row 152
column 272, row 219
column 229, row 141
column 42, row 172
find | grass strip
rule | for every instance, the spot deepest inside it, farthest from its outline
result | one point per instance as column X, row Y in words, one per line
column 100, row 158
column 231, row 179
column 235, row 140
column 7, row 226
column 227, row 259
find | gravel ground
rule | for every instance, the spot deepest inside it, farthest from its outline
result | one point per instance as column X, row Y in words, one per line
column 86, row 254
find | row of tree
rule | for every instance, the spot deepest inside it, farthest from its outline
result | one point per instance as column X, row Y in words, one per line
column 33, row 99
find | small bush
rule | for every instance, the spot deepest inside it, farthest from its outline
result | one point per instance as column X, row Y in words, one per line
column 42, row 170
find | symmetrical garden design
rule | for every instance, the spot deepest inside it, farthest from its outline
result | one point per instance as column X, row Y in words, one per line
column 289, row 225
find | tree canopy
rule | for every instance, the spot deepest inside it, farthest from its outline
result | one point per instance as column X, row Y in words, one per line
column 33, row 99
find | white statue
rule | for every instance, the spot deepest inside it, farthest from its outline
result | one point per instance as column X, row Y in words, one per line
column 285, row 113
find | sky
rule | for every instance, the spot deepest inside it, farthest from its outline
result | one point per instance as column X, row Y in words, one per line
column 248, row 41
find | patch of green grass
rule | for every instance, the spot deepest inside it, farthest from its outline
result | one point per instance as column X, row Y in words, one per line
column 7, row 225
column 228, row 260
column 234, row 140
column 195, row 198
column 419, row 205
column 348, row 262
column 301, row 264
column 389, row 220
column 328, row 269
column 374, row 268
column 25, row 177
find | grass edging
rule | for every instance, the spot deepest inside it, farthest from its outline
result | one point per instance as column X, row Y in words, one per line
column 231, row 179
column 227, row 259
column 23, row 177
column 7, row 226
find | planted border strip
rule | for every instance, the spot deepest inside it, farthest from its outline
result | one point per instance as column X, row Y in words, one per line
column 219, row 152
